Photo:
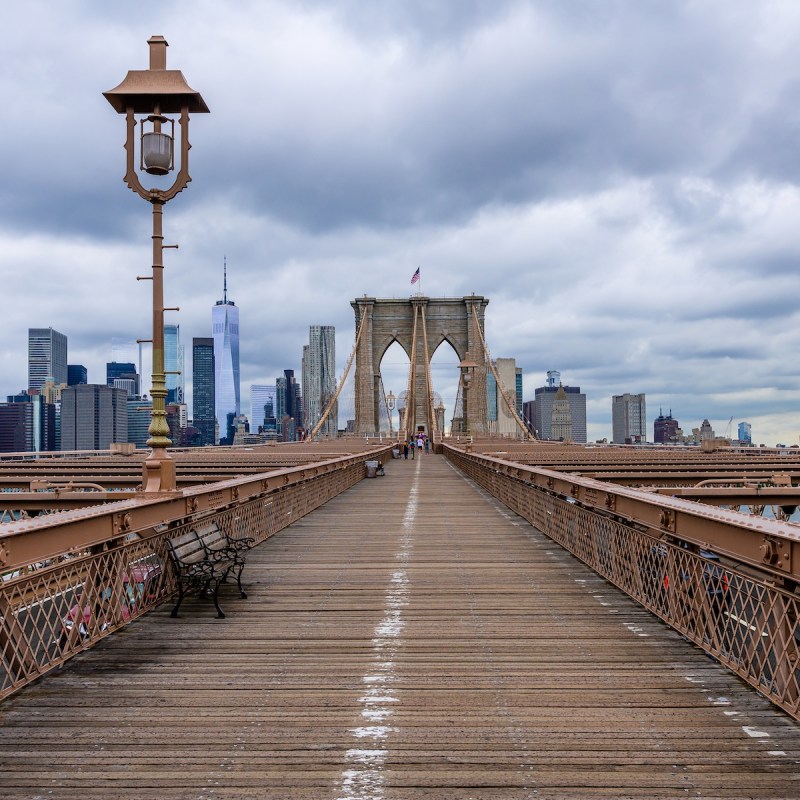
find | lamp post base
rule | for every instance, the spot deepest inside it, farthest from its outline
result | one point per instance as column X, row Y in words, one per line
column 158, row 474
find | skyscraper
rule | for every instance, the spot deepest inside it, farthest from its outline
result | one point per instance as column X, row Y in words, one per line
column 499, row 416
column 297, row 404
column 262, row 400
column 289, row 404
column 47, row 357
column 284, row 422
column 27, row 424
column 203, row 412
column 561, row 417
column 529, row 413
column 305, row 383
column 225, row 329
column 93, row 416
column 16, row 428
column 491, row 401
column 665, row 428
column 628, row 418
column 543, row 408
column 173, row 363
column 745, row 433
column 319, row 378
column 139, row 413
column 76, row 373
column 123, row 375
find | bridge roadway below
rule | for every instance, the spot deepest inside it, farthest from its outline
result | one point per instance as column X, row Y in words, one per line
column 410, row 639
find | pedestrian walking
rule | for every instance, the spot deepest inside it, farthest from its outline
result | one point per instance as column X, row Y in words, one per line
column 405, row 450
column 427, row 446
column 412, row 447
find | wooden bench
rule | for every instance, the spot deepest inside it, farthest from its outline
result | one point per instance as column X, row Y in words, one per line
column 203, row 557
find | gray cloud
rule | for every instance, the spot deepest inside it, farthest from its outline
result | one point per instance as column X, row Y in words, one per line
column 619, row 178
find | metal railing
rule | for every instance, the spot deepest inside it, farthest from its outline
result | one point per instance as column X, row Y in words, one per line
column 735, row 595
column 71, row 579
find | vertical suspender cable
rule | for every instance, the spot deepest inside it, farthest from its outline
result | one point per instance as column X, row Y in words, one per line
column 332, row 402
column 410, row 401
column 428, row 382
column 501, row 388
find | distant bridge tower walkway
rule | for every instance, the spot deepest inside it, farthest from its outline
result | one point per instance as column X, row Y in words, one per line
column 410, row 639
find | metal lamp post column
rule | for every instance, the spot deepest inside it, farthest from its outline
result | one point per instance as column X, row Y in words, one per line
column 466, row 379
column 155, row 92
column 159, row 468
column 467, row 368
column 391, row 401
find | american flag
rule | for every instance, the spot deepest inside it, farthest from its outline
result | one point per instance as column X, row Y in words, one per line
column 415, row 276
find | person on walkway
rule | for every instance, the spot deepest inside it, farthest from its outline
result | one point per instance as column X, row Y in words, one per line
column 427, row 446
column 412, row 447
column 405, row 450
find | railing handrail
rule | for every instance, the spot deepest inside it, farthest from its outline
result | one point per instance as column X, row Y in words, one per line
column 109, row 566
column 37, row 539
column 745, row 614
column 768, row 545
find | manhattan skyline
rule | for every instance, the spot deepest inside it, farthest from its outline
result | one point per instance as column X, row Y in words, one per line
column 620, row 181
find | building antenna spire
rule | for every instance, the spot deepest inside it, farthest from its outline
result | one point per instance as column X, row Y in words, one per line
column 225, row 279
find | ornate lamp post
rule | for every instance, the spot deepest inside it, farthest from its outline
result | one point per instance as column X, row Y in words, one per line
column 439, row 411
column 467, row 371
column 391, row 402
column 151, row 94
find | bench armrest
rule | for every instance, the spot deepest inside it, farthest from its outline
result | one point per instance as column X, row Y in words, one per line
column 242, row 544
column 221, row 554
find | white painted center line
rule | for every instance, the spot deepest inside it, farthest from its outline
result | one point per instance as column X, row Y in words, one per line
column 363, row 776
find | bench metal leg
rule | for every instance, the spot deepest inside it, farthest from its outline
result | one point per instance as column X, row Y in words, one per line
column 174, row 612
column 242, row 592
column 220, row 612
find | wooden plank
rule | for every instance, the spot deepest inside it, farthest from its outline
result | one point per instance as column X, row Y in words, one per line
column 411, row 639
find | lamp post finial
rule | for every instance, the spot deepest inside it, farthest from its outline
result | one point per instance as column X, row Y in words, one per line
column 158, row 52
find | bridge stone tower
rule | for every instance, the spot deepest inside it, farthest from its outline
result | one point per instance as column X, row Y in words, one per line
column 419, row 324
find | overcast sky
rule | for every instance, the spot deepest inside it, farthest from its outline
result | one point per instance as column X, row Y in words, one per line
column 619, row 178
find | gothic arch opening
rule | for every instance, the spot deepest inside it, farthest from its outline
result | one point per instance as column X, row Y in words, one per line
column 394, row 368
column 444, row 380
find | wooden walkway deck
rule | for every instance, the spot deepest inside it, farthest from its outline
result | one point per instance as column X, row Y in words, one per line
column 411, row 639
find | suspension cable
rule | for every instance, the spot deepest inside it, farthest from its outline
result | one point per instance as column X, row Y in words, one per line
column 411, row 376
column 501, row 388
column 458, row 406
column 332, row 402
column 386, row 406
column 428, row 382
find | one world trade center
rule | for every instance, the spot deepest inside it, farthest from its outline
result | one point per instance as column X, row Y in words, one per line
column 225, row 327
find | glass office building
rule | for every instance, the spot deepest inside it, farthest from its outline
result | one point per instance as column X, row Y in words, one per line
column 203, row 416
column 47, row 357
